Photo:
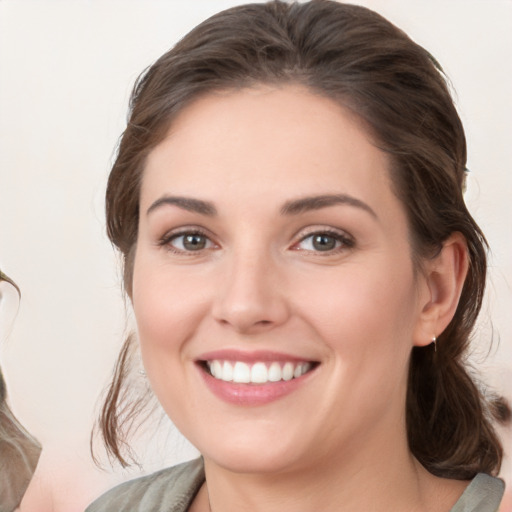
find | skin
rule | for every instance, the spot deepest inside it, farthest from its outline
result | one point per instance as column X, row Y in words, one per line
column 259, row 283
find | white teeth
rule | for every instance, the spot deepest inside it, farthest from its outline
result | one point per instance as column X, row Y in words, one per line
column 274, row 372
column 301, row 369
column 288, row 370
column 227, row 371
column 241, row 373
column 216, row 369
column 258, row 373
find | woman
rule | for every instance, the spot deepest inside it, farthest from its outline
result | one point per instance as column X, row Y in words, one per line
column 303, row 270
column 19, row 451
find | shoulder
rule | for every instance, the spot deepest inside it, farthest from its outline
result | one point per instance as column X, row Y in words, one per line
column 483, row 494
column 169, row 490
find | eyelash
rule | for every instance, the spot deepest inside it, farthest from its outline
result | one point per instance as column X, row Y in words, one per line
column 167, row 239
column 343, row 240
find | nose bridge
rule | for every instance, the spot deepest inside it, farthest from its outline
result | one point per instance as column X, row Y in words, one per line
column 250, row 274
column 249, row 297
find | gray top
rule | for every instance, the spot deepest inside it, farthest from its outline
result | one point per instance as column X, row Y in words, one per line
column 483, row 494
column 169, row 490
column 173, row 489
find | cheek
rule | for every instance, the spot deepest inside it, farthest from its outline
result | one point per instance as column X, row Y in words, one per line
column 367, row 322
column 363, row 311
column 167, row 307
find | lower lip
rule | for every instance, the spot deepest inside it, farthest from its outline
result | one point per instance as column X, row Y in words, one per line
column 251, row 394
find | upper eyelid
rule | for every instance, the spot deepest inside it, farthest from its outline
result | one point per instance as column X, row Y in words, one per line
column 166, row 241
column 312, row 230
column 346, row 240
column 185, row 230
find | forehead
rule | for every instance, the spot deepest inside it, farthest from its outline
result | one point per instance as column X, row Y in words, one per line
column 287, row 139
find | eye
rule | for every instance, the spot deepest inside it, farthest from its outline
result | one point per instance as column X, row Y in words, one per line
column 324, row 241
column 188, row 242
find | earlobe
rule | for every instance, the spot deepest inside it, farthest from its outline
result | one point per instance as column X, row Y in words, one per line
column 444, row 277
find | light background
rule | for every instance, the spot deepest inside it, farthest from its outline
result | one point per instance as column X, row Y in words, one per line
column 66, row 71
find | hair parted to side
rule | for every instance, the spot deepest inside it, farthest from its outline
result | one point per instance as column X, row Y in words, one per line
column 357, row 58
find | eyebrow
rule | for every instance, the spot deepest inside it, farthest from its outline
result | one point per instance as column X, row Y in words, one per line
column 304, row 204
column 293, row 207
column 185, row 203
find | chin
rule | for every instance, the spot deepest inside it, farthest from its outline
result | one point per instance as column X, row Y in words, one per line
column 252, row 461
column 248, row 455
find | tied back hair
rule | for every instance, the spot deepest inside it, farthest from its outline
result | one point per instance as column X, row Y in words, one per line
column 357, row 58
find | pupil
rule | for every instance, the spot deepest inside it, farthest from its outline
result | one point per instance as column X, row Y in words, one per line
column 194, row 242
column 324, row 242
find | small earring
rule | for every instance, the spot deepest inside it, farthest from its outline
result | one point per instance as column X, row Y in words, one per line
column 434, row 341
column 142, row 372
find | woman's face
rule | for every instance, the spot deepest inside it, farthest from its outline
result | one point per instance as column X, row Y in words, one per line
column 273, row 253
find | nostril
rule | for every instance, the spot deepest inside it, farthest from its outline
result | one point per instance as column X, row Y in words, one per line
column 247, row 311
column 242, row 324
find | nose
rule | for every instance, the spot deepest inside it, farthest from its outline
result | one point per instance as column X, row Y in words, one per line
column 251, row 297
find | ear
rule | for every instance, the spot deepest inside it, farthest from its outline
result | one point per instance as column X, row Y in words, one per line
column 443, row 279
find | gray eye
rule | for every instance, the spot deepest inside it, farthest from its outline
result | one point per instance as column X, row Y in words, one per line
column 323, row 242
column 194, row 242
column 320, row 242
column 191, row 242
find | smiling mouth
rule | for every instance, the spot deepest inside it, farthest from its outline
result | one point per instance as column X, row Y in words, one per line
column 240, row 372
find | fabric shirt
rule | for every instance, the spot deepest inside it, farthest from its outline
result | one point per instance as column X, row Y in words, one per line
column 173, row 490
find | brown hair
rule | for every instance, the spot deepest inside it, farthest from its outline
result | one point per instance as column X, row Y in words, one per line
column 356, row 57
column 19, row 451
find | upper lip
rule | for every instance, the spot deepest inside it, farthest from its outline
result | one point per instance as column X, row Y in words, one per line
column 251, row 356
